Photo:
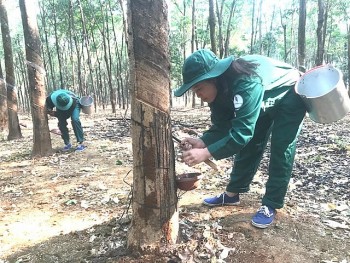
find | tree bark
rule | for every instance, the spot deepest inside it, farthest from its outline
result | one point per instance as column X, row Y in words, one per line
column 253, row 32
column 57, row 41
column 219, row 11
column 155, row 215
column 78, row 51
column 108, row 63
column 284, row 27
column 348, row 38
column 212, row 26
column 3, row 102
column 228, row 30
column 319, row 32
column 12, row 103
column 86, row 41
column 193, row 37
column 301, row 35
column 43, row 15
column 35, row 68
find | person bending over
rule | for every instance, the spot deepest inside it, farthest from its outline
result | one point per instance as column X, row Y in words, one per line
column 251, row 99
column 67, row 106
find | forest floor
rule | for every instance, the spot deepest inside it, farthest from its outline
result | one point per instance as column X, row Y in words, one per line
column 75, row 207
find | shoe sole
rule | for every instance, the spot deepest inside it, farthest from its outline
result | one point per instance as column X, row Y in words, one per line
column 80, row 150
column 260, row 225
column 224, row 204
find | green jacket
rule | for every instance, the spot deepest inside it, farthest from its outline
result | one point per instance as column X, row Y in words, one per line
column 234, row 114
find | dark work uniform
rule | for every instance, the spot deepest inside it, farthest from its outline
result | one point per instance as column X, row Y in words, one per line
column 244, row 119
column 63, row 115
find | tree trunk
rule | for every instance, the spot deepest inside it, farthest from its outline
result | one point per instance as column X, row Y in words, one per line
column 228, row 30
column 212, row 26
column 41, row 134
column 3, row 102
column 12, row 104
column 98, row 75
column 301, row 35
column 271, row 40
column 348, row 37
column 48, row 51
column 184, row 33
column 155, row 215
column 116, row 72
column 259, row 26
column 76, row 44
column 324, row 31
column 58, row 49
column 253, row 32
column 219, row 12
column 86, row 40
column 284, row 27
column 193, row 36
column 21, row 77
column 71, row 47
column 108, row 63
column 319, row 31
column 193, row 26
column 123, row 80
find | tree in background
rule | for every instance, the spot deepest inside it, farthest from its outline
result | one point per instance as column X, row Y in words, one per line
column 348, row 52
column 35, row 67
column 155, row 214
column 13, row 122
column 96, row 61
column 301, row 35
column 3, row 102
column 212, row 25
column 321, row 32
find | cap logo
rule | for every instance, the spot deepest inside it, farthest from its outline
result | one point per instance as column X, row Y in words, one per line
column 237, row 102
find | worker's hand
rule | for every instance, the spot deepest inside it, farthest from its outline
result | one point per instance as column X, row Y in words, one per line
column 190, row 143
column 195, row 156
column 51, row 113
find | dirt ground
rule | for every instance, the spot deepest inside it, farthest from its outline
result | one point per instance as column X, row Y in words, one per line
column 75, row 207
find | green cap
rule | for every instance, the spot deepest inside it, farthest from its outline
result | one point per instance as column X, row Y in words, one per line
column 61, row 99
column 201, row 65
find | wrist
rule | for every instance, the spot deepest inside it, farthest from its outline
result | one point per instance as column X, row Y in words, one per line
column 207, row 153
column 202, row 144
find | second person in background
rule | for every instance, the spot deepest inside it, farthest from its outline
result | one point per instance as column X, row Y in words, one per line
column 67, row 106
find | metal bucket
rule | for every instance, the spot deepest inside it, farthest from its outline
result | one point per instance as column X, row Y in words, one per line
column 323, row 91
column 86, row 103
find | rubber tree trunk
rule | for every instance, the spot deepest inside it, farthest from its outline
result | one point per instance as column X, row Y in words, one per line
column 35, row 68
column 155, row 216
column 348, row 49
column 12, row 102
column 320, row 35
column 3, row 102
column 212, row 24
column 301, row 35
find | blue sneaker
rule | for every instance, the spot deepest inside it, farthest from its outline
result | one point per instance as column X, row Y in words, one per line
column 264, row 217
column 222, row 199
column 67, row 147
column 80, row 148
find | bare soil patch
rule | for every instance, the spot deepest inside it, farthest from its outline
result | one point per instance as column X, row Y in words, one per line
column 75, row 207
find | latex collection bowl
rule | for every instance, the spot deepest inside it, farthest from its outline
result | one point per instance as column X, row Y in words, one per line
column 188, row 181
